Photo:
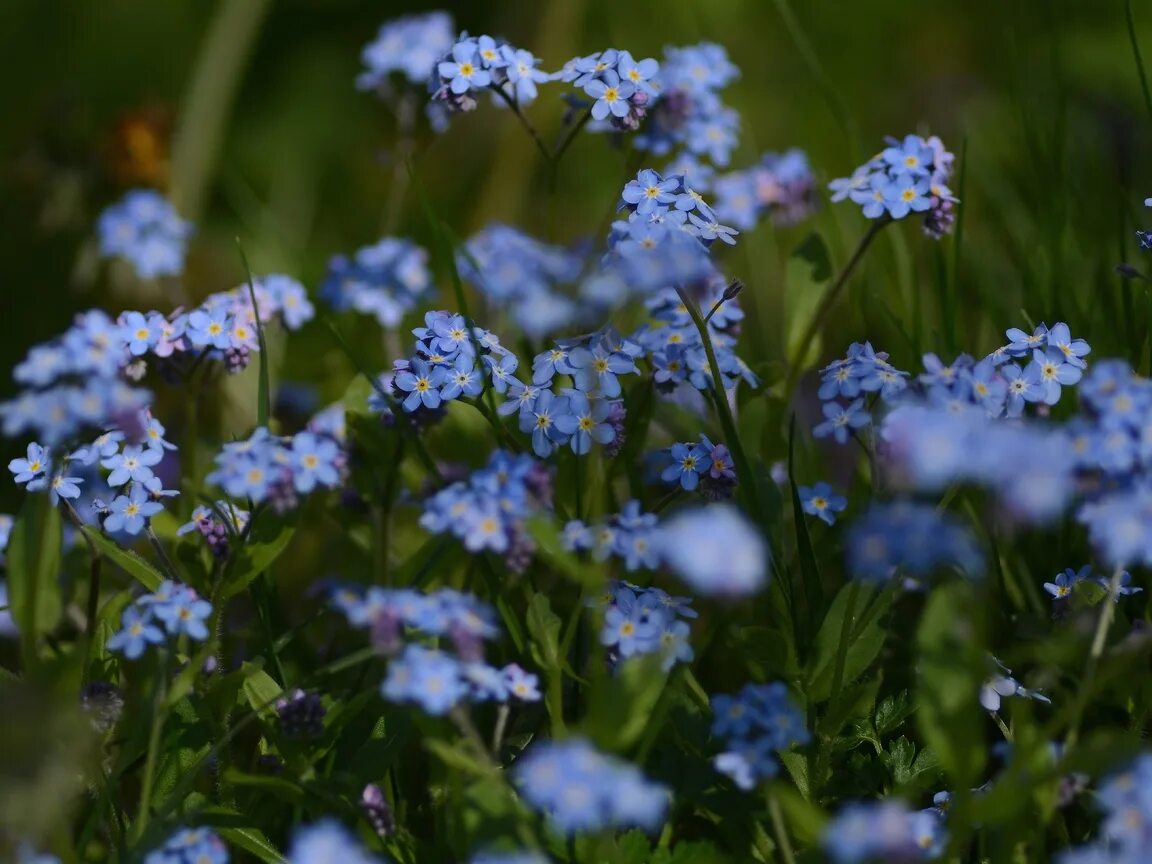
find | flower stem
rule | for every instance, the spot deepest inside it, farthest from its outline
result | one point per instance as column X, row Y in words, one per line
column 160, row 691
column 826, row 303
column 566, row 142
column 724, row 411
column 524, row 121
column 1095, row 653
column 780, row 830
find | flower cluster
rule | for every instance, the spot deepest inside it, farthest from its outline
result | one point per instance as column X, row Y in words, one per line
column 489, row 509
column 581, row 789
column 145, row 229
column 910, row 540
column 171, row 611
column 1127, row 829
column 646, row 621
column 908, row 176
column 781, row 187
column 519, row 273
column 407, row 47
column 475, row 64
column 701, row 465
column 688, row 113
column 885, row 831
column 652, row 199
column 619, row 86
column 1064, row 584
column 385, row 280
column 278, row 469
column 629, row 535
column 218, row 525
column 74, row 383
column 190, row 846
column 672, row 345
column 434, row 679
column 753, row 725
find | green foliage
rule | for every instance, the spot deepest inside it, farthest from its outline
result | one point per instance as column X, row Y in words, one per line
column 33, row 569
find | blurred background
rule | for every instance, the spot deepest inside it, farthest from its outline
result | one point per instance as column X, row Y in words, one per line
column 246, row 114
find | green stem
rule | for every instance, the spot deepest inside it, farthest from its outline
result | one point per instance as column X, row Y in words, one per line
column 780, row 830
column 1138, row 58
column 724, row 411
column 846, row 629
column 524, row 121
column 1093, row 663
column 569, row 138
column 826, row 303
column 159, row 693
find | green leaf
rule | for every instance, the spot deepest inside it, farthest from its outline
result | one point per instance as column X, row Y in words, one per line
column 811, row 588
column 804, row 818
column 236, row 829
column 622, row 703
column 456, row 756
column 549, row 547
column 862, row 647
column 266, row 540
column 544, row 628
column 892, row 711
column 125, row 559
column 951, row 669
column 808, row 272
column 33, row 571
column 260, row 689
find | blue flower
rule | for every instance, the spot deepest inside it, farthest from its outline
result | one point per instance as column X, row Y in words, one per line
column 31, row 470
column 912, row 157
column 540, row 421
column 840, row 420
column 130, row 513
column 906, row 194
column 1023, row 385
column 522, row 69
column 822, row 502
column 464, row 71
column 430, row 679
column 133, row 464
column 716, row 550
column 326, row 841
column 689, row 462
column 650, row 192
column 629, row 631
column 1053, row 370
column 192, row 845
column 1061, row 587
column 140, row 333
column 409, row 45
column 315, row 459
column 64, row 487
column 137, row 632
column 582, row 790
column 611, row 95
column 641, row 73
column 421, row 382
column 184, row 613
column 210, row 328
column 586, row 422
column 145, row 229
column 462, row 379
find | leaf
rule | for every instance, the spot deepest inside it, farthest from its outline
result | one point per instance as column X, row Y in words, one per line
column 621, row 704
column 796, row 763
column 544, row 628
column 862, row 647
column 236, row 829
column 804, row 818
column 951, row 669
column 549, row 547
column 33, row 571
column 898, row 759
column 455, row 756
column 807, row 274
column 125, row 559
column 266, row 540
column 892, row 711
column 260, row 689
